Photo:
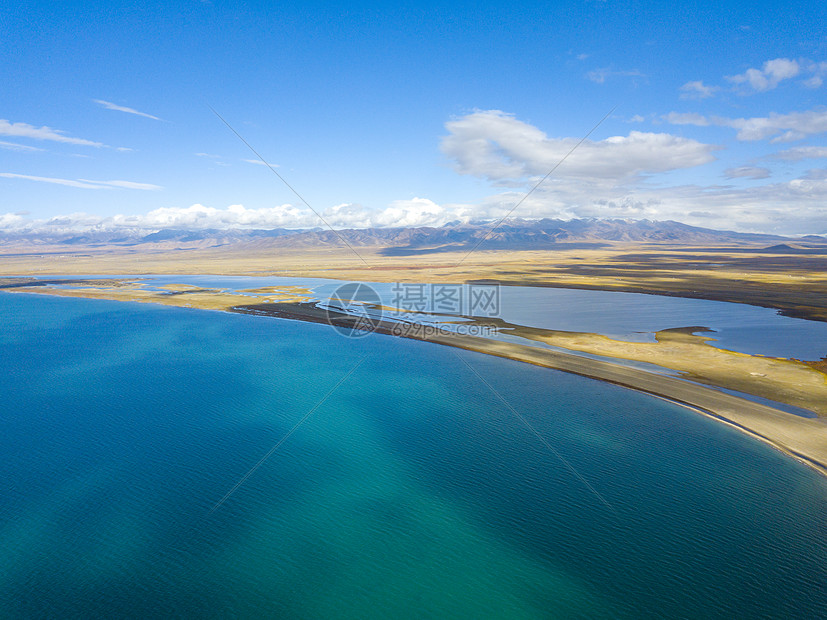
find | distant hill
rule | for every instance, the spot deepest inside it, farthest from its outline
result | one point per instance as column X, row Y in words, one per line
column 516, row 234
column 784, row 248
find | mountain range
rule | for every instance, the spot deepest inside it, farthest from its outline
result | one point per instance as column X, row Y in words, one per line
column 516, row 234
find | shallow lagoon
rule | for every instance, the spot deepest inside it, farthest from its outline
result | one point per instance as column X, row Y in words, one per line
column 411, row 492
column 625, row 316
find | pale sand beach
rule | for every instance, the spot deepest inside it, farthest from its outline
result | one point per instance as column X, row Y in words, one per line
column 800, row 437
column 804, row 438
column 798, row 383
column 786, row 381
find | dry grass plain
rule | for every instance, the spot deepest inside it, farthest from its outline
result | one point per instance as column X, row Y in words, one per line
column 794, row 284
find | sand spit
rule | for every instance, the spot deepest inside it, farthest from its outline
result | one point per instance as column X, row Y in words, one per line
column 803, row 438
column 800, row 437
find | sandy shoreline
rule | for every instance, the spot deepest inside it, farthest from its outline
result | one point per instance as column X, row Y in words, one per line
column 802, row 438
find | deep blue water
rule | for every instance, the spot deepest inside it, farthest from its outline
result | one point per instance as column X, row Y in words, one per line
column 411, row 492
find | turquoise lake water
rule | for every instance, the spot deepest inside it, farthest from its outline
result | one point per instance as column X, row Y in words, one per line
column 411, row 492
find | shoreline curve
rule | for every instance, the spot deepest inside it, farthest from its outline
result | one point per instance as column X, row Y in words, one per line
column 804, row 439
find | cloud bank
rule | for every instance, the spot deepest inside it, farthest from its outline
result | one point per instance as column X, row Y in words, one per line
column 497, row 146
column 622, row 176
column 776, row 127
column 753, row 81
column 802, row 152
column 411, row 212
column 791, row 207
column 614, row 177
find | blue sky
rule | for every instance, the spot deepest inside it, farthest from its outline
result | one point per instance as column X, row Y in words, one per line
column 416, row 114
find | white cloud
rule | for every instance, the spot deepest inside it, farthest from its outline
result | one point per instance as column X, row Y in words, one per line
column 599, row 76
column 802, row 152
column 497, row 146
column 410, row 212
column 24, row 130
column 768, row 77
column 747, row 172
column 82, row 183
column 781, row 127
column 816, row 174
column 777, row 127
column 790, row 207
column 13, row 146
column 611, row 178
column 819, row 71
column 119, row 108
column 125, row 184
column 67, row 182
column 413, row 212
column 13, row 221
column 258, row 162
column 697, row 90
column 687, row 118
column 199, row 216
